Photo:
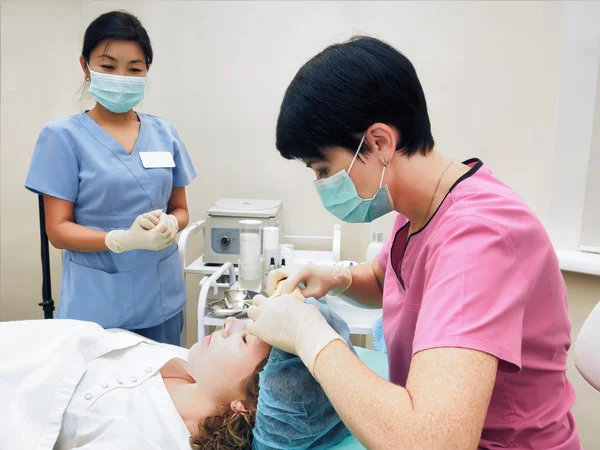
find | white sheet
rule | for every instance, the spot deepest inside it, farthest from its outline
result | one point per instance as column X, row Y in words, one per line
column 41, row 364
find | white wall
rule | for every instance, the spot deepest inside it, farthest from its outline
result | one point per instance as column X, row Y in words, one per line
column 580, row 60
column 491, row 72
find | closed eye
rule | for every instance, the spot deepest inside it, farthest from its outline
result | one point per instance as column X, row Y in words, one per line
column 244, row 338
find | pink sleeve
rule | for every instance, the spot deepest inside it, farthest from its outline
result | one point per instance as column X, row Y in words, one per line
column 474, row 291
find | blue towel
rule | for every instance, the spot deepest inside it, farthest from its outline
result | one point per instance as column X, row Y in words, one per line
column 378, row 338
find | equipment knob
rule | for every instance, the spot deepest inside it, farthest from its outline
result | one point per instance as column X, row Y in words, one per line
column 225, row 241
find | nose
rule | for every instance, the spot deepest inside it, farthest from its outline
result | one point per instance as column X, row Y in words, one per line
column 232, row 326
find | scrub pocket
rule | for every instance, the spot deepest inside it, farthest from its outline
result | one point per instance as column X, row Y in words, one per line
column 97, row 296
column 172, row 285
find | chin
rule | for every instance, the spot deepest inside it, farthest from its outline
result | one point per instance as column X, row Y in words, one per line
column 193, row 351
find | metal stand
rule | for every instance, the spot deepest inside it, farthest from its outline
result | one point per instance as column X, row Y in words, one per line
column 47, row 302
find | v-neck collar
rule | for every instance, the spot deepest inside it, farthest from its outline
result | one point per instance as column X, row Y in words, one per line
column 402, row 238
column 102, row 136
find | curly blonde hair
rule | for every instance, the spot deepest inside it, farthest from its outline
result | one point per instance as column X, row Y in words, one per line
column 231, row 430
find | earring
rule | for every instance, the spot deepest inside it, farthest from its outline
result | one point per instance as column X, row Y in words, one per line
column 384, row 162
column 87, row 79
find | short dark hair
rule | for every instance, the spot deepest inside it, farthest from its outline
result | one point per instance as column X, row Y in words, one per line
column 337, row 95
column 116, row 26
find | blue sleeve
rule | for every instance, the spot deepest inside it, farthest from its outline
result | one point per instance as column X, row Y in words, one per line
column 183, row 172
column 54, row 169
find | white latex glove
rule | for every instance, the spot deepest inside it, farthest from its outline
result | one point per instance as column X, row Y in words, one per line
column 292, row 326
column 150, row 219
column 137, row 237
column 173, row 224
column 318, row 280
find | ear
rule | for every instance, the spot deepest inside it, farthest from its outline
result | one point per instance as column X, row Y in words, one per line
column 382, row 140
column 83, row 64
column 241, row 406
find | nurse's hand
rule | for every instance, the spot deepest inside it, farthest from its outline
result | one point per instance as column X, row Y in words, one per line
column 138, row 238
column 151, row 219
column 292, row 326
column 172, row 225
column 318, row 280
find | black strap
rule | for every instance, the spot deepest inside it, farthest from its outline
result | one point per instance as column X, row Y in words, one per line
column 47, row 302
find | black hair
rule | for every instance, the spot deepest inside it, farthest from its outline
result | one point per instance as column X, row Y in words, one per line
column 337, row 95
column 116, row 26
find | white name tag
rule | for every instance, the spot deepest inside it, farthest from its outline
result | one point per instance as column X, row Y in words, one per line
column 157, row 160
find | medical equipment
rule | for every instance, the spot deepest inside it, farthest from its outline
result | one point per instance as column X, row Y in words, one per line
column 237, row 298
column 222, row 232
column 217, row 279
column 211, row 285
column 286, row 253
column 270, row 250
column 250, row 262
column 359, row 318
column 221, row 310
column 233, row 303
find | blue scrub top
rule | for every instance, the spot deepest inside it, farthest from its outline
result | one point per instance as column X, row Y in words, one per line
column 77, row 161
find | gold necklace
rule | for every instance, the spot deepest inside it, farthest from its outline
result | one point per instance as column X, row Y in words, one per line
column 190, row 379
column 434, row 194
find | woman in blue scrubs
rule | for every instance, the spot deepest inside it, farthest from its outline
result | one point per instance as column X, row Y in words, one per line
column 113, row 183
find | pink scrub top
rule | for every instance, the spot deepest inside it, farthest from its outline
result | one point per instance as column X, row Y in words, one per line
column 483, row 275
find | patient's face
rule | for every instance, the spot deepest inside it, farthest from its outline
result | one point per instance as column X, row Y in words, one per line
column 227, row 357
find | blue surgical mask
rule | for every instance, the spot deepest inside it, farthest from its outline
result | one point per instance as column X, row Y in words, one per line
column 117, row 93
column 340, row 198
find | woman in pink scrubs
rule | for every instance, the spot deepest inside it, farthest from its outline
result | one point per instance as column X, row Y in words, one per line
column 475, row 310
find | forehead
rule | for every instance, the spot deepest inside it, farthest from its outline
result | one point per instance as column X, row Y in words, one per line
column 118, row 50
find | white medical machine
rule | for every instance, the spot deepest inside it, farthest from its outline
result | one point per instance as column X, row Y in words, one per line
column 222, row 229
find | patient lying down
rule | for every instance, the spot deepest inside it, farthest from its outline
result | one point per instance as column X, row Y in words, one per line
column 216, row 390
column 70, row 384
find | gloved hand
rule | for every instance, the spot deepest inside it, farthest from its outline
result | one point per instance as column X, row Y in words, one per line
column 318, row 280
column 292, row 326
column 278, row 292
column 151, row 219
column 136, row 237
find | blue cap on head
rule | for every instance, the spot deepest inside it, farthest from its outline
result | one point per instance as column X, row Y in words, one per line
column 293, row 411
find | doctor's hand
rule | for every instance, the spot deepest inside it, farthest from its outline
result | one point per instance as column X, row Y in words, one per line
column 292, row 326
column 318, row 280
column 138, row 238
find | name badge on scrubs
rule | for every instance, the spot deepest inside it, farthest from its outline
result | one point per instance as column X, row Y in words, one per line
column 157, row 160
